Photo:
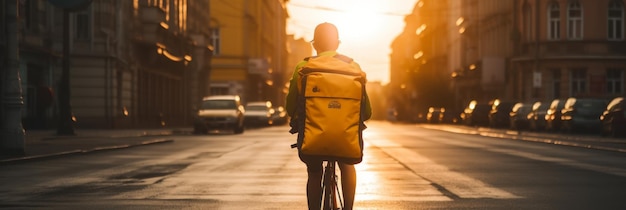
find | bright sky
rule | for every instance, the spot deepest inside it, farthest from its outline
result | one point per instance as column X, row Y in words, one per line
column 366, row 28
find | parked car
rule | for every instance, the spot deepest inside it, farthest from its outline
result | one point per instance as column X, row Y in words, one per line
column 419, row 115
column 499, row 113
column 435, row 114
column 220, row 112
column 476, row 113
column 537, row 116
column 259, row 113
column 450, row 116
column 280, row 116
column 392, row 114
column 518, row 117
column 553, row 115
column 582, row 114
column 613, row 119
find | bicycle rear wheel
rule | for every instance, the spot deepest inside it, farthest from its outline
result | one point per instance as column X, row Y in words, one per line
column 331, row 199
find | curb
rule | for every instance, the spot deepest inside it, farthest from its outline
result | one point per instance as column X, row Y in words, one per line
column 555, row 139
column 82, row 151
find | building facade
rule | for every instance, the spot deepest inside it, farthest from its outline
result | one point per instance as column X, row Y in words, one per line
column 420, row 62
column 134, row 63
column 514, row 50
column 571, row 48
column 250, row 55
column 402, row 67
column 298, row 49
column 165, row 49
column 487, row 37
column 40, row 61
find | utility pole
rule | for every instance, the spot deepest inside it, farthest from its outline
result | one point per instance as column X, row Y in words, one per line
column 66, row 123
column 12, row 132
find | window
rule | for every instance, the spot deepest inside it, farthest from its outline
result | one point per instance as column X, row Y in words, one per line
column 574, row 21
column 163, row 4
column 528, row 25
column 215, row 40
column 24, row 12
column 616, row 20
column 82, row 26
column 31, row 15
column 219, row 90
column 614, row 81
column 556, row 83
column 554, row 21
column 578, row 78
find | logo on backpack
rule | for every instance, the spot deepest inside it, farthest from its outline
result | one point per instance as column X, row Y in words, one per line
column 334, row 105
column 316, row 89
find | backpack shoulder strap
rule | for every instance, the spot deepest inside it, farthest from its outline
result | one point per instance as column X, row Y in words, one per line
column 343, row 58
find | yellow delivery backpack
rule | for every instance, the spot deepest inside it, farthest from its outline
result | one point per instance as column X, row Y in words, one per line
column 330, row 110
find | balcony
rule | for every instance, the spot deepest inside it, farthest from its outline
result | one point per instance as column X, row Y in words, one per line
column 151, row 33
column 151, row 29
column 617, row 48
column 151, row 15
column 576, row 48
column 258, row 66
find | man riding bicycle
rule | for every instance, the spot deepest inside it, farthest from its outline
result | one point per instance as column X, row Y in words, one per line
column 325, row 42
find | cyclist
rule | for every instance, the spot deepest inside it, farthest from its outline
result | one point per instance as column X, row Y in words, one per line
column 325, row 42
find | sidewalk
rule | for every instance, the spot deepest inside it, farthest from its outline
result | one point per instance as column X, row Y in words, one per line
column 39, row 144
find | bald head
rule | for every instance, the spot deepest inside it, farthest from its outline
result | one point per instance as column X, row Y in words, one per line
column 326, row 37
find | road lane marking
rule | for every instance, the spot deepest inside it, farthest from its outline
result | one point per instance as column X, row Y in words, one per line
column 270, row 172
column 454, row 182
column 380, row 177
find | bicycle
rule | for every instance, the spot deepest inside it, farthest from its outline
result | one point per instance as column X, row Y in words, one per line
column 331, row 198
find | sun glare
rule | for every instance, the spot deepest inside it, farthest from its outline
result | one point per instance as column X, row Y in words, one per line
column 366, row 28
column 360, row 24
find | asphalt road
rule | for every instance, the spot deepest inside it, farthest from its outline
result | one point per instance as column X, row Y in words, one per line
column 405, row 167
